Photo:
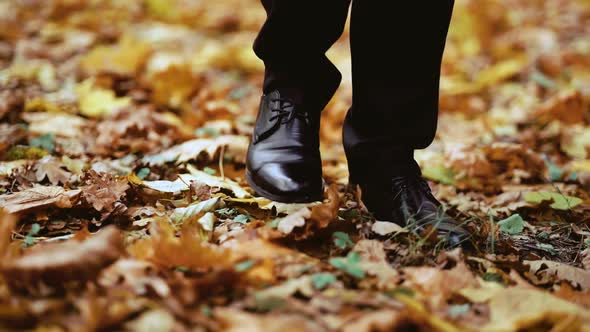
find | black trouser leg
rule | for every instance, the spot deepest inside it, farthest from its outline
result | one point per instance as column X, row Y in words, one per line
column 293, row 42
column 395, row 94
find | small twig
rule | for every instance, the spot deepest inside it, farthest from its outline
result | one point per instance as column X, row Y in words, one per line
column 221, row 155
column 492, row 233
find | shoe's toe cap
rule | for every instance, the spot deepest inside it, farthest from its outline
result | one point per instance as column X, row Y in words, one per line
column 293, row 182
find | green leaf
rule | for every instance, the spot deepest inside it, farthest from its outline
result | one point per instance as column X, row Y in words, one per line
column 555, row 172
column 321, row 280
column 209, row 170
column 143, row 172
column 30, row 238
column 456, row 310
column 245, row 265
column 560, row 201
column 349, row 265
column 342, row 240
column 547, row 247
column 227, row 212
column 401, row 290
column 24, row 152
column 242, row 218
column 488, row 276
column 45, row 142
column 206, row 310
column 439, row 173
column 353, row 257
column 274, row 223
column 267, row 303
column 544, row 81
column 512, row 225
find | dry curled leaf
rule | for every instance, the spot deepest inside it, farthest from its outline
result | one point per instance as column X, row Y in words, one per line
column 307, row 220
column 514, row 309
column 7, row 224
column 548, row 269
column 39, row 197
column 438, row 284
column 201, row 148
column 377, row 321
column 188, row 250
column 374, row 262
column 234, row 320
column 53, row 169
column 57, row 263
column 136, row 130
column 104, row 191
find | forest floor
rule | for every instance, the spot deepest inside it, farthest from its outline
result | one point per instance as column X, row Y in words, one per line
column 123, row 205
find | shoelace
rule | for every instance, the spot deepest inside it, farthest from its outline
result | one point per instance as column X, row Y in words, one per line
column 401, row 186
column 405, row 182
column 285, row 110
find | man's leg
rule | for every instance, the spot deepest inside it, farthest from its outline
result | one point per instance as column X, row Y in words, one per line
column 283, row 161
column 395, row 104
column 293, row 42
column 395, row 94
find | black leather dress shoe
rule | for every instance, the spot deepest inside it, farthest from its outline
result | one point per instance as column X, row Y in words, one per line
column 408, row 201
column 283, row 162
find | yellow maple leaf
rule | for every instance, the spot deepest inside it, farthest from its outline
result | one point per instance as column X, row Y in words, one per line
column 96, row 102
column 124, row 58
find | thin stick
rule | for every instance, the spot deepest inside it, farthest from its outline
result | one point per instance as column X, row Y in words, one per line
column 221, row 155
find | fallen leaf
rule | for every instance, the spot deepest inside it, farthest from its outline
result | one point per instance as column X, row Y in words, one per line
column 578, row 277
column 567, row 293
column 164, row 186
column 56, row 263
column 8, row 167
column 374, row 262
column 138, row 129
column 39, row 197
column 437, row 284
column 514, row 309
column 188, row 250
column 173, row 85
column 385, row 228
column 234, row 320
column 351, row 264
column 124, row 58
column 181, row 215
column 103, row 191
column 512, row 225
column 567, row 106
column 155, row 320
column 97, row 102
column 214, row 181
column 206, row 148
column 296, row 219
column 7, row 225
column 575, row 141
column 51, row 168
column 377, row 321
column 52, row 123
column 559, row 201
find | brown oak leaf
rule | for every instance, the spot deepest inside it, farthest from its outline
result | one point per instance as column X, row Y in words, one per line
column 51, row 168
column 103, row 191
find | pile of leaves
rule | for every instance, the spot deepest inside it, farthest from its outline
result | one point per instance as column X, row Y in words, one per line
column 123, row 205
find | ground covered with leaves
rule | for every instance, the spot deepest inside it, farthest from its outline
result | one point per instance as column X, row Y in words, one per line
column 123, row 131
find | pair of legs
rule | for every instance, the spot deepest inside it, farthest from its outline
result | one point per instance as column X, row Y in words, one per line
column 396, row 49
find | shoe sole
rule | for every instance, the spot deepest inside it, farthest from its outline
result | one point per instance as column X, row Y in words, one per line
column 284, row 198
